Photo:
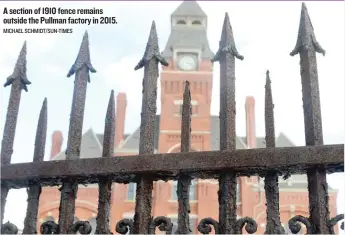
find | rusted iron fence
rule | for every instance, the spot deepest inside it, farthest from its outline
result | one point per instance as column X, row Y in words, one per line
column 315, row 159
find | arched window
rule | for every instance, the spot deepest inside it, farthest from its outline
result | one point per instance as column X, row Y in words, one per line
column 196, row 22
column 181, row 22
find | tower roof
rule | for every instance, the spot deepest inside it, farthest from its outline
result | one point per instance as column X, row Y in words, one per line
column 188, row 38
column 189, row 8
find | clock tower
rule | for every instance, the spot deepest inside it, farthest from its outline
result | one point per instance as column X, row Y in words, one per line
column 189, row 55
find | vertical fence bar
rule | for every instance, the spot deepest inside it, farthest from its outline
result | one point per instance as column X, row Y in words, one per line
column 273, row 223
column 150, row 60
column 19, row 81
column 306, row 47
column 69, row 188
column 104, row 198
column 34, row 191
column 227, row 181
column 184, row 181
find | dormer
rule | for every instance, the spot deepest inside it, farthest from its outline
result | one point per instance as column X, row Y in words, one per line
column 189, row 14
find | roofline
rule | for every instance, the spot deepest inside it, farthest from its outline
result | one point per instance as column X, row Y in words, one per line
column 283, row 134
column 126, row 140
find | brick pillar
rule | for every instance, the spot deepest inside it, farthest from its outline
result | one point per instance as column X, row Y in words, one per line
column 121, row 104
column 250, row 122
column 56, row 143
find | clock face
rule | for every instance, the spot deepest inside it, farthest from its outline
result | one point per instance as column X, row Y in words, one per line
column 187, row 63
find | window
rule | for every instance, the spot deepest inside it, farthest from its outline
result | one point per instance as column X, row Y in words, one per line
column 192, row 191
column 196, row 22
column 192, row 225
column 181, row 22
column 131, row 192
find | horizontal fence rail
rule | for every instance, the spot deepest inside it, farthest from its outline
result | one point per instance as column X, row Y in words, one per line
column 167, row 166
column 226, row 165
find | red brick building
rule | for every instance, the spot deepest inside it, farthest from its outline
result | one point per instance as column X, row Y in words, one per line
column 189, row 55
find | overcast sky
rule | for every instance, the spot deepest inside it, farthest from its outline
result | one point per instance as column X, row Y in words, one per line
column 265, row 34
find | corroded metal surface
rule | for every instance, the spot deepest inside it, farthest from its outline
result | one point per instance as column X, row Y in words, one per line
column 124, row 226
column 295, row 226
column 273, row 223
column 163, row 223
column 249, row 224
column 204, row 226
column 227, row 182
column 34, row 191
column 307, row 46
column 208, row 164
column 9, row 228
column 69, row 188
column 19, row 81
column 104, row 198
column 184, row 181
column 49, row 227
column 315, row 159
column 81, row 227
column 335, row 220
column 150, row 61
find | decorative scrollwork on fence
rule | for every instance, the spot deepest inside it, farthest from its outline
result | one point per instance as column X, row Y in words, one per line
column 204, row 226
column 124, row 226
column 9, row 228
column 83, row 227
column 251, row 225
column 163, row 223
column 49, row 227
column 335, row 220
column 295, row 226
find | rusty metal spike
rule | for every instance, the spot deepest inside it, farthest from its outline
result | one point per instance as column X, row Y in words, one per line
column 104, row 198
column 41, row 133
column 69, row 188
column 186, row 120
column 152, row 50
column 109, row 128
column 151, row 58
column 83, row 58
column 34, row 191
column 227, row 42
column 269, row 116
column 19, row 72
column 184, row 181
column 227, row 115
column 307, row 47
column 273, row 221
column 306, row 39
column 18, row 79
